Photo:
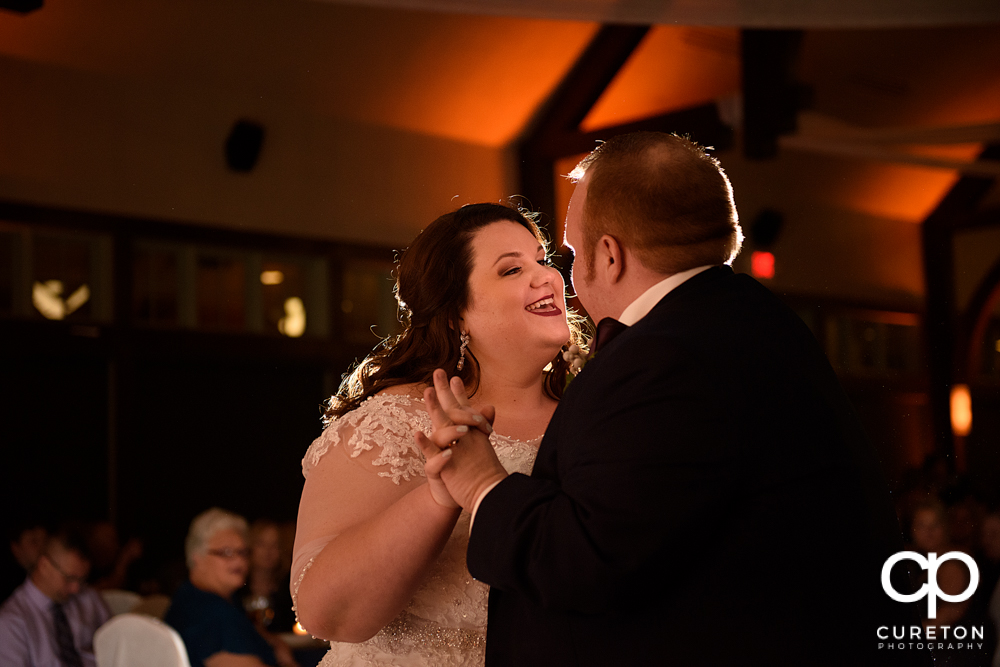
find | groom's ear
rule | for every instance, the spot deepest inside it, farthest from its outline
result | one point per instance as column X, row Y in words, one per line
column 610, row 258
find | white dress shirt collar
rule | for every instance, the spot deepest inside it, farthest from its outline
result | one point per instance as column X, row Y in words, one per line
column 639, row 308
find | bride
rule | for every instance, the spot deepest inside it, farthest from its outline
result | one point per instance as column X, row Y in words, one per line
column 379, row 561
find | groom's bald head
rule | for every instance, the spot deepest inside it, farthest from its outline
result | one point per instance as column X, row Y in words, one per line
column 663, row 198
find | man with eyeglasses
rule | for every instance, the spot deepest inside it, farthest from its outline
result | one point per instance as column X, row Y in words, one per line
column 51, row 618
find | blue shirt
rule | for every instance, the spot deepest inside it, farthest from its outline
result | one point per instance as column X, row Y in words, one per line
column 210, row 624
column 27, row 626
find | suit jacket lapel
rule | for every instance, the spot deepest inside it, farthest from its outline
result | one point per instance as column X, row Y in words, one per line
column 675, row 300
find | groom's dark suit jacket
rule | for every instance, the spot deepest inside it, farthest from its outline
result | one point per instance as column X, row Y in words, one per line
column 704, row 495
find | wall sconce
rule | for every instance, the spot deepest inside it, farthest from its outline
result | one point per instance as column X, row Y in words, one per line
column 961, row 410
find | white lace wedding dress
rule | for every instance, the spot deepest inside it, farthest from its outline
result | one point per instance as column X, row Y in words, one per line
column 444, row 624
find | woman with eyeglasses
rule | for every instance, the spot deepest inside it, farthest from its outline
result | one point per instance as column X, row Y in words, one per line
column 215, row 630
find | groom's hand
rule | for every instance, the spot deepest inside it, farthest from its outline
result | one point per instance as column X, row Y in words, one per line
column 458, row 451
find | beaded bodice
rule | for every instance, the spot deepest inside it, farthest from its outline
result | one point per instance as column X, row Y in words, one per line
column 445, row 622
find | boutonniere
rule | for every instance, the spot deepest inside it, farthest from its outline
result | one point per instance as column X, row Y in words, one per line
column 576, row 357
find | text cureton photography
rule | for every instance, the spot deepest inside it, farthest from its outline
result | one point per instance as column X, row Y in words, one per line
column 930, row 637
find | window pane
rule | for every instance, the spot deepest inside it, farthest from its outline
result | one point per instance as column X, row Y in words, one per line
column 155, row 291
column 221, row 292
column 875, row 343
column 368, row 306
column 8, row 243
column 61, row 286
column 902, row 348
column 868, row 339
column 283, row 291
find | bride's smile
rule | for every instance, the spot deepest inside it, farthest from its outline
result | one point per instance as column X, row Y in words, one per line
column 516, row 298
column 544, row 306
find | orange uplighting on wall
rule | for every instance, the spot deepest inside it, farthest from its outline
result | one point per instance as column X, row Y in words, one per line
column 961, row 410
column 689, row 65
column 896, row 192
column 762, row 264
column 478, row 64
column 900, row 191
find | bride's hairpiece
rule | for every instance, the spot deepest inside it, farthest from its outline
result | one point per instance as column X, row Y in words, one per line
column 461, row 351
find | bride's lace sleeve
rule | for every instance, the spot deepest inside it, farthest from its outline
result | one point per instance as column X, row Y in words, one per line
column 383, row 428
column 362, row 463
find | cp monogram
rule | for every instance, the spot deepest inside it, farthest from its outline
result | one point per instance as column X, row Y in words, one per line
column 930, row 589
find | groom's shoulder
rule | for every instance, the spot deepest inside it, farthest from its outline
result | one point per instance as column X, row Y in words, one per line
column 708, row 300
column 719, row 321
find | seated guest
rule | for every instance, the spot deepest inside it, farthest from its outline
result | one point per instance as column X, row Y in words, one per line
column 215, row 630
column 110, row 560
column 266, row 597
column 929, row 533
column 28, row 545
column 51, row 618
column 27, row 539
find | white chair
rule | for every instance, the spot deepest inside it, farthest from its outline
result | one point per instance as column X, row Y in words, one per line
column 135, row 640
column 120, row 602
column 153, row 605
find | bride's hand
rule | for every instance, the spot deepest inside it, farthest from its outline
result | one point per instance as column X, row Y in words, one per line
column 432, row 468
column 475, row 465
column 449, row 400
column 448, row 426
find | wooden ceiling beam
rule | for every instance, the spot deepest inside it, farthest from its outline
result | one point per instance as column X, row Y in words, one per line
column 701, row 122
column 772, row 96
column 555, row 131
column 567, row 106
column 987, row 217
column 975, row 320
column 586, row 81
column 945, row 358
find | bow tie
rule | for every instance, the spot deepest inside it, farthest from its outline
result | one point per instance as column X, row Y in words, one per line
column 607, row 329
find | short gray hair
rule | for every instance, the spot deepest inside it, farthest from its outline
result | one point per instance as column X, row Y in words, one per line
column 207, row 524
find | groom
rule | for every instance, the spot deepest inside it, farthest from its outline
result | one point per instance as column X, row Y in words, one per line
column 704, row 494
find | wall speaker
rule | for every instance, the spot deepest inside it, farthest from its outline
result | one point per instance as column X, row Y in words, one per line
column 243, row 145
column 23, row 6
column 766, row 227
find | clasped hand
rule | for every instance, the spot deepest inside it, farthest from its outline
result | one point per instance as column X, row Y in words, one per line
column 460, row 461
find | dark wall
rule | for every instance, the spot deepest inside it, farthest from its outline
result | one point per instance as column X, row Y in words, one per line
column 215, row 433
column 152, row 439
column 53, row 434
column 983, row 444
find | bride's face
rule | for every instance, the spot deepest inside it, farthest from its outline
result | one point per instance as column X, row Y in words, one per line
column 516, row 299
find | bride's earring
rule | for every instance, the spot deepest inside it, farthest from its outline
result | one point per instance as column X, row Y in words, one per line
column 461, row 351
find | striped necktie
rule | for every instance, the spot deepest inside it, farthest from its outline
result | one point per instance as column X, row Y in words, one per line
column 68, row 655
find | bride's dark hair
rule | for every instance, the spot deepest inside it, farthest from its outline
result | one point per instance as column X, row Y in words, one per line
column 432, row 289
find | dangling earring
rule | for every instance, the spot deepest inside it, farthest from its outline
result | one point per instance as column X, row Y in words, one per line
column 461, row 351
